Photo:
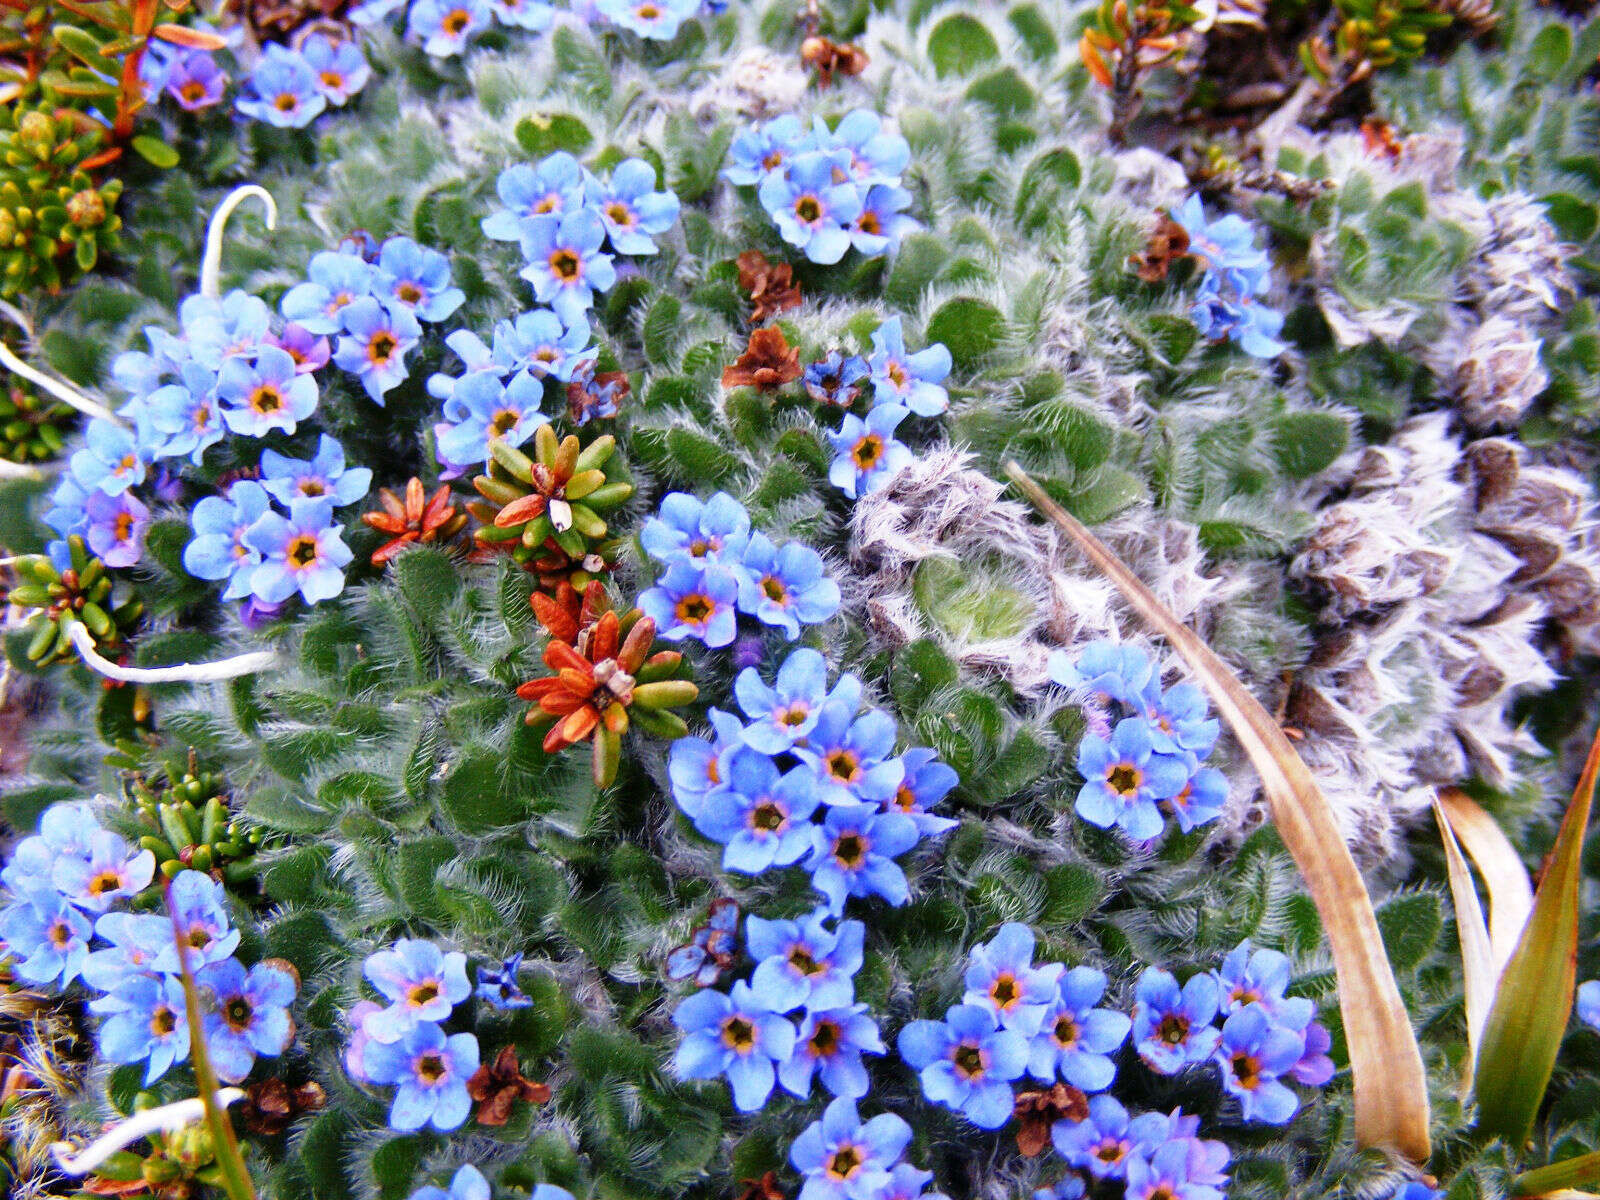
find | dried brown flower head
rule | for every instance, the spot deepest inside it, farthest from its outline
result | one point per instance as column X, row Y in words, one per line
column 1168, row 242
column 770, row 286
column 1037, row 1111
column 826, row 57
column 768, row 362
column 270, row 1104
column 499, row 1086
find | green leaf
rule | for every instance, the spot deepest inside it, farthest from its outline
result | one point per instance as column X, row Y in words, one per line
column 960, row 43
column 474, row 797
column 1034, row 31
column 428, row 578
column 663, row 328
column 419, row 863
column 1534, row 1000
column 1305, row 443
column 394, row 1164
column 1004, row 93
column 1575, row 219
column 916, row 265
column 545, row 133
column 969, row 328
column 1549, row 51
column 699, row 458
column 155, row 152
column 969, row 604
column 919, row 671
column 1410, row 924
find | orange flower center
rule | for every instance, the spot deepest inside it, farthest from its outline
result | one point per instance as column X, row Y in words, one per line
column 695, row 609
column 382, row 347
column 104, row 883
column 739, row 1035
column 302, row 551
column 808, row 208
column 1246, row 1069
column 456, row 20
column 869, row 222
column 1174, row 1029
column 969, row 1060
column 163, row 1021
column 266, row 399
column 843, row 765
column 423, row 993
column 1066, row 1031
column 867, row 452
column 767, row 817
column 845, row 1162
column 824, row 1042
column 850, row 850
column 772, row 588
column 431, row 1068
column 286, row 102
column 565, row 264
column 1124, row 779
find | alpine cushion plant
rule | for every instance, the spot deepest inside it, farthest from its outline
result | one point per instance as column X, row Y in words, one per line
column 541, row 602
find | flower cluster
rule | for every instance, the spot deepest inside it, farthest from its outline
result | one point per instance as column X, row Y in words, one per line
column 828, row 190
column 1014, row 1019
column 717, row 567
column 1151, row 758
column 865, row 451
column 563, row 216
column 61, row 924
column 290, row 87
column 403, row 1043
column 657, row 20
column 444, row 27
column 1151, row 1154
column 812, row 780
column 802, row 968
column 1235, row 273
column 1266, row 1036
column 842, row 1157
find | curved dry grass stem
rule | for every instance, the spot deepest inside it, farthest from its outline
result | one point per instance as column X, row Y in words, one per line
column 60, row 389
column 169, row 1118
column 212, row 672
column 211, row 261
column 1391, row 1087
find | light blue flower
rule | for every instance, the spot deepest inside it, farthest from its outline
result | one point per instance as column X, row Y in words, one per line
column 967, row 1062
column 553, row 187
column 48, row 937
column 1250, row 976
column 421, row 982
column 691, row 602
column 1252, row 1054
column 498, row 986
column 116, row 527
column 813, row 212
column 1124, row 778
column 1104, row 1143
column 1202, row 799
column 1104, row 669
column 302, row 553
column 804, row 962
column 110, row 461
column 1314, row 1068
column 340, row 68
column 1252, row 325
column 112, row 871
column 785, row 586
column 417, row 278
column 913, row 381
column 468, row 1183
column 1225, row 247
column 876, row 155
column 697, row 768
column 236, row 326
column 445, row 26
column 856, row 852
column 248, row 1013
column 842, row 1157
column 1179, row 719
column 218, row 549
column 145, row 1021
column 184, row 418
column 830, row 1045
column 375, row 343
column 836, row 380
column 866, row 452
column 762, row 818
column 430, row 1070
column 283, row 90
column 532, row 15
column 1001, row 977
column 1172, row 1025
column 658, row 20
column 713, row 532
column 540, row 343
column 335, row 280
column 907, row 1182
column 265, row 395
column 851, row 755
column 1588, row 1004
column 195, row 80
column 632, row 209
column 66, row 514
column 199, row 908
column 924, row 783
column 482, row 409
column 135, row 941
column 785, row 713
column 565, row 263
column 288, row 479
column 733, row 1035
column 1076, row 1039
column 1167, row 1174
column 756, row 153
column 883, row 221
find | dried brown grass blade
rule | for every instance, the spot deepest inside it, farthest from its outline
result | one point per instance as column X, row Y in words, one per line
column 1480, row 973
column 1506, row 879
column 1391, row 1093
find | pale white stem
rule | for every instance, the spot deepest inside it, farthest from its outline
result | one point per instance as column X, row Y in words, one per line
column 62, row 391
column 11, row 470
column 211, row 263
column 212, row 672
column 169, row 1118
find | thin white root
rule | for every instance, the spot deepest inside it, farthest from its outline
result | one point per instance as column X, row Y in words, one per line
column 62, row 391
column 211, row 262
column 214, row 672
column 169, row 1118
